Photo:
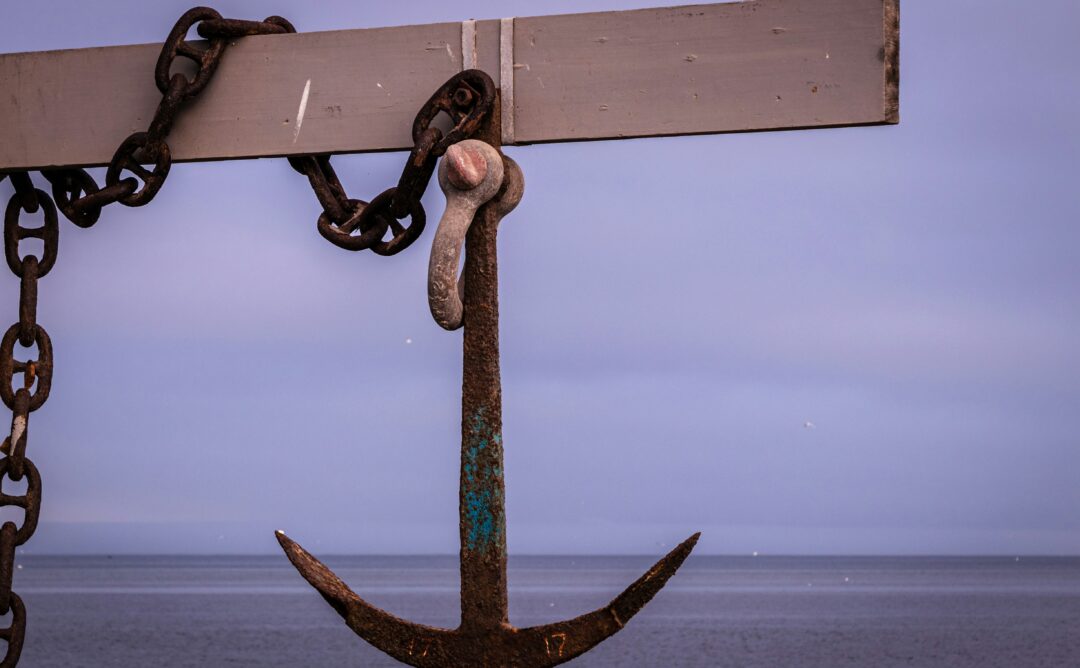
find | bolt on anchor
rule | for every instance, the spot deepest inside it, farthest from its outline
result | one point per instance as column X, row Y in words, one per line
column 482, row 186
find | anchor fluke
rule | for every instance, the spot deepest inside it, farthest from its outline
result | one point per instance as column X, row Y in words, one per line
column 404, row 640
column 503, row 645
column 563, row 641
column 627, row 604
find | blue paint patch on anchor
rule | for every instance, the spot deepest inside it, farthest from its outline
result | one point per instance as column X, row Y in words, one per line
column 483, row 526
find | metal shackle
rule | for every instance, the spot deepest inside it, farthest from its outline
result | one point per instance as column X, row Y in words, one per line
column 470, row 174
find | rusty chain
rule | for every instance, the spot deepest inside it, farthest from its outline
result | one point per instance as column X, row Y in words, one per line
column 36, row 383
column 77, row 194
column 81, row 200
column 467, row 98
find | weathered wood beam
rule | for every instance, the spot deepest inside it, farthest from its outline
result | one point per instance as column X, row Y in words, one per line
column 746, row 66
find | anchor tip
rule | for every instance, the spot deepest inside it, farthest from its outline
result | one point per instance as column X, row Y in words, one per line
column 330, row 586
column 682, row 550
column 284, row 541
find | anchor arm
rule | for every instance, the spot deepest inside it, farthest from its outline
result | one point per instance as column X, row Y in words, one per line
column 532, row 647
column 406, row 641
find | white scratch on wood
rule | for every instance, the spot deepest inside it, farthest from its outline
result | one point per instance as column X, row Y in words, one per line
column 445, row 46
column 302, row 110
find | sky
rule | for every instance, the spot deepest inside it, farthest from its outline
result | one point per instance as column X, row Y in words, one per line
column 668, row 333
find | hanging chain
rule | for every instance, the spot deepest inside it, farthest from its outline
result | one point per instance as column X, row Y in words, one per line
column 467, row 98
column 81, row 200
column 36, row 382
column 77, row 194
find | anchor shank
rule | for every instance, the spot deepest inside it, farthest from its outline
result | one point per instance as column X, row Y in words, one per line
column 481, row 509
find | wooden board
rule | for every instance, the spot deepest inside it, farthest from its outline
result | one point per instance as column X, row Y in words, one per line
column 746, row 66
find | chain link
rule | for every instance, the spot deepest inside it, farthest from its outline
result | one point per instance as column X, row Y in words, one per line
column 352, row 224
column 49, row 233
column 15, row 633
column 67, row 186
column 24, row 190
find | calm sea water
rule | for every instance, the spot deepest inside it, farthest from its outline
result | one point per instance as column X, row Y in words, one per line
column 718, row 611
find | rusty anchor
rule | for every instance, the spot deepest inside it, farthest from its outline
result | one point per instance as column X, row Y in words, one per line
column 481, row 186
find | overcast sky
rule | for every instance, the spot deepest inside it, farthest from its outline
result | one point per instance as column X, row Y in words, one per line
column 911, row 291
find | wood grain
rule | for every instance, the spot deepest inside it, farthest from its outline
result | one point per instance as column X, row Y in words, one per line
column 747, row 66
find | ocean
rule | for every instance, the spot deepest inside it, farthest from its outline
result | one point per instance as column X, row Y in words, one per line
column 750, row 612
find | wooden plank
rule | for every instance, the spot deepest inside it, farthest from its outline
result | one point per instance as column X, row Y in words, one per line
column 747, row 66
column 770, row 64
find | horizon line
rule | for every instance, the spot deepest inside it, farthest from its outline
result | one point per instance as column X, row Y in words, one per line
column 382, row 555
